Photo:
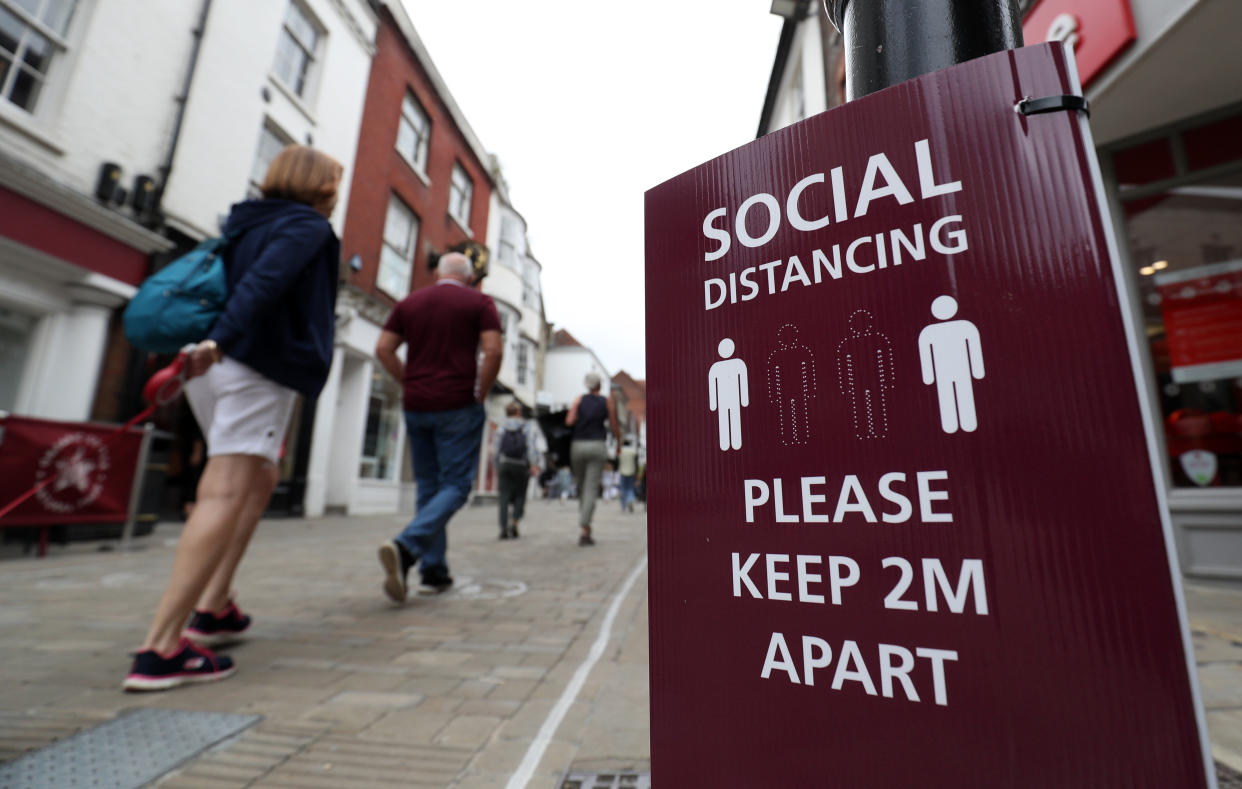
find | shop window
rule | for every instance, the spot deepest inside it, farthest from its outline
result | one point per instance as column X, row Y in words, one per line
column 397, row 257
column 414, row 133
column 1186, row 244
column 297, row 50
column 381, row 440
column 15, row 331
column 32, row 36
column 271, row 142
column 461, row 192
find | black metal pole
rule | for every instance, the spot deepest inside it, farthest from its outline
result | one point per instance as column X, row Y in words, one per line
column 891, row 41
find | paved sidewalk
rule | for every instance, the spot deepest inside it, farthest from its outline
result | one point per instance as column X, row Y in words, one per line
column 446, row 691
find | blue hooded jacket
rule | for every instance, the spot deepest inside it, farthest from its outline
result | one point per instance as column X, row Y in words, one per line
column 282, row 277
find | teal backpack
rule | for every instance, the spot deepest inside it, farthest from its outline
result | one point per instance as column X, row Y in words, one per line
column 177, row 305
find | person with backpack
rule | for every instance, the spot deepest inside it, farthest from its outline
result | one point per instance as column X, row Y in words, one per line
column 515, row 448
column 273, row 341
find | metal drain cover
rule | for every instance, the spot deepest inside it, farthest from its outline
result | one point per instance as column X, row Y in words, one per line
column 613, row 779
column 132, row 750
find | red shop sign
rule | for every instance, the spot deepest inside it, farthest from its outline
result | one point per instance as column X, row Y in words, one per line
column 1098, row 30
column 904, row 527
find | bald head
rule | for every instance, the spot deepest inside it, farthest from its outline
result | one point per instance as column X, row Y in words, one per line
column 456, row 266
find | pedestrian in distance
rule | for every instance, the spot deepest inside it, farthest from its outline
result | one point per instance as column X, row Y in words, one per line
column 627, row 466
column 273, row 341
column 589, row 450
column 515, row 448
column 443, row 386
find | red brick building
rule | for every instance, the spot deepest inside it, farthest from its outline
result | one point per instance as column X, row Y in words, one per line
column 420, row 184
column 420, row 180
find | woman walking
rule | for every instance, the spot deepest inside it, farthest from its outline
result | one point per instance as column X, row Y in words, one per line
column 273, row 341
column 589, row 450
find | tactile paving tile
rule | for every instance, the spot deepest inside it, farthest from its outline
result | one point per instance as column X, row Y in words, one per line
column 130, row 751
column 614, row 779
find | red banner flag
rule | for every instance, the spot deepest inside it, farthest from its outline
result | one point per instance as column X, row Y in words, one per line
column 85, row 471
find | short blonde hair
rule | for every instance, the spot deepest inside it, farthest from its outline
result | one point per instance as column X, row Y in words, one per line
column 304, row 175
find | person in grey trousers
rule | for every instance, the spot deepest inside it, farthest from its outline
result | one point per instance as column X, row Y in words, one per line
column 515, row 448
column 589, row 449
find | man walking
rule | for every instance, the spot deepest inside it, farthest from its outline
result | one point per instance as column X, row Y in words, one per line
column 443, row 328
column 516, row 450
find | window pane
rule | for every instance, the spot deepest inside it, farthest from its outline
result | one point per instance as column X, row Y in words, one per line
column 38, row 52
column 270, row 144
column 394, row 273
column 407, row 140
column 398, row 227
column 459, row 196
column 10, row 31
column 26, row 88
column 1187, row 246
column 292, row 63
column 301, row 27
column 57, row 13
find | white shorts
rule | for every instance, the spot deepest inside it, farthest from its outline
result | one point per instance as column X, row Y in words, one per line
column 240, row 411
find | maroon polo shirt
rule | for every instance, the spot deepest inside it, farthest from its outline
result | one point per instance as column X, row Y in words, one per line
column 441, row 327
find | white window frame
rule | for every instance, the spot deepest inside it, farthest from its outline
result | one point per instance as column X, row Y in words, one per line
column 385, row 464
column 526, row 352
column 311, row 68
column 461, row 195
column 413, row 111
column 267, row 128
column 33, row 24
column 389, row 271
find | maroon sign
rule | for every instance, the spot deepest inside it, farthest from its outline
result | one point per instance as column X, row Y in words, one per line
column 903, row 524
column 83, row 471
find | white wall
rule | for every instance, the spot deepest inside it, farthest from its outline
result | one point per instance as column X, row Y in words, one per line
column 805, row 67
column 564, row 370
column 110, row 96
column 227, row 108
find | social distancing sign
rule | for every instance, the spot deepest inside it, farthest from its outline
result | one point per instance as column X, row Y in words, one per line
column 903, row 519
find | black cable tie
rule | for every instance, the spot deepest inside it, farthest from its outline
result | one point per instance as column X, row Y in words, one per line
column 1029, row 106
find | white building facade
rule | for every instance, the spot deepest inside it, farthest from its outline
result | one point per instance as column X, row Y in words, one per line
column 514, row 282
column 128, row 131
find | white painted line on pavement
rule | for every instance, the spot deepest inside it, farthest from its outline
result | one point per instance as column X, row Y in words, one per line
column 534, row 753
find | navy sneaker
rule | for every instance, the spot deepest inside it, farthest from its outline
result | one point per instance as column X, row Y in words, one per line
column 396, row 561
column 212, row 629
column 188, row 663
column 436, row 582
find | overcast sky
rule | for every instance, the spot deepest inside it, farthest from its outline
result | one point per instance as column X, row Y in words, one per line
column 588, row 105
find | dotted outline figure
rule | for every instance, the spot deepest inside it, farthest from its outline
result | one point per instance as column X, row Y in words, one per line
column 728, row 390
column 865, row 373
column 791, row 386
column 950, row 356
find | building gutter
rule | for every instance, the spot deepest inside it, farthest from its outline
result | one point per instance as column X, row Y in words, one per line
column 165, row 170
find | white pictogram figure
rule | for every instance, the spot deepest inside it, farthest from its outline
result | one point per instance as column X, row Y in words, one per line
column 729, row 391
column 791, row 385
column 865, row 374
column 950, row 357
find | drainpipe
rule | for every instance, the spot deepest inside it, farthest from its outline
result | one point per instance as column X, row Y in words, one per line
column 182, row 99
column 891, row 41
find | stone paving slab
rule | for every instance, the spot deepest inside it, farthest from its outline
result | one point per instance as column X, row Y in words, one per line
column 446, row 691
column 354, row 691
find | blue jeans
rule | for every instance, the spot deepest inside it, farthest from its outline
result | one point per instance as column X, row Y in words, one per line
column 627, row 491
column 444, row 446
